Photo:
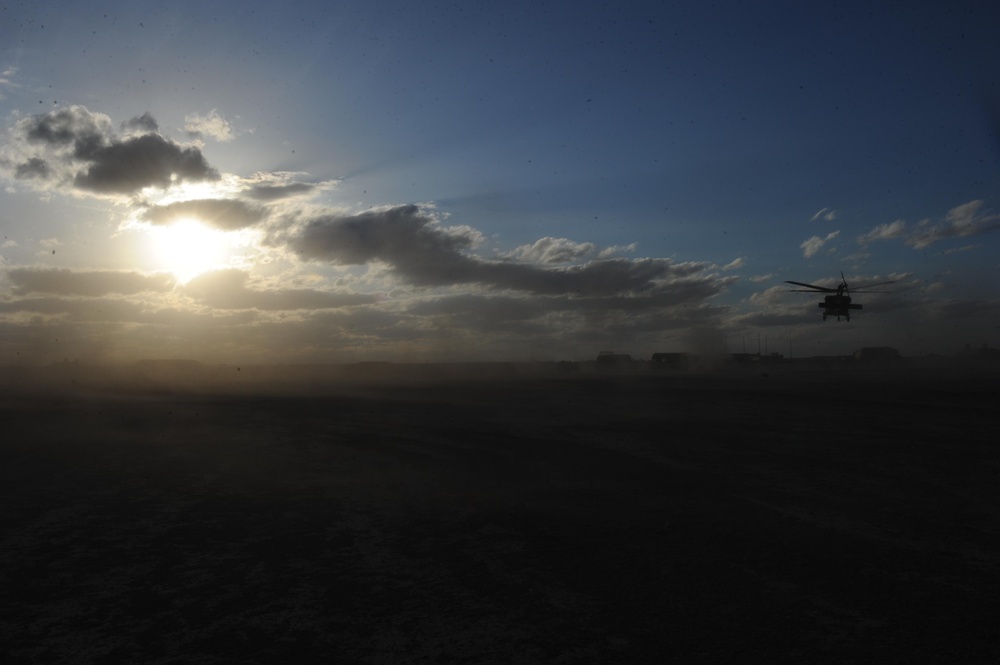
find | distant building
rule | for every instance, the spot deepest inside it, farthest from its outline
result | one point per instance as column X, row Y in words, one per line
column 679, row 361
column 743, row 358
column 612, row 358
column 981, row 355
column 878, row 354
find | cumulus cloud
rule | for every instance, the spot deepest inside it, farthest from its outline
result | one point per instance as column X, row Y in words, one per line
column 7, row 80
column 74, row 127
column 90, row 283
column 141, row 124
column 734, row 264
column 403, row 236
column 775, row 298
column 74, row 149
column 559, row 251
column 126, row 167
column 35, row 167
column 281, row 185
column 815, row 243
column 554, row 251
column 615, row 250
column 889, row 231
column 966, row 220
column 212, row 125
column 422, row 251
column 227, row 289
column 223, row 214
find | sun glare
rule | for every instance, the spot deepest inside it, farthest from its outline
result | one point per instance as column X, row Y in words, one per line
column 187, row 248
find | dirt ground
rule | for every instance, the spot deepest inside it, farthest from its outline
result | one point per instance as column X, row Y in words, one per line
column 548, row 520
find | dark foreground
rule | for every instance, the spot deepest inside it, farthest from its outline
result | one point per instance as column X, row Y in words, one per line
column 603, row 519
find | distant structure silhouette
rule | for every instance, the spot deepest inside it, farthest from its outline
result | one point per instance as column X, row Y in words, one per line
column 877, row 354
column 677, row 361
column 610, row 358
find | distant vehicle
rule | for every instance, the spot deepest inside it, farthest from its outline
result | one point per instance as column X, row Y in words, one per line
column 839, row 304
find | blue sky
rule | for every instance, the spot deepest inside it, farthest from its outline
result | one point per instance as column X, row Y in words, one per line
column 321, row 182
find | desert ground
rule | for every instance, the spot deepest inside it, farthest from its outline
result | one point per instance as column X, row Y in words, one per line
column 840, row 517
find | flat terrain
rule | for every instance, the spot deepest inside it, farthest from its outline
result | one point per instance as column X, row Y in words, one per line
column 850, row 518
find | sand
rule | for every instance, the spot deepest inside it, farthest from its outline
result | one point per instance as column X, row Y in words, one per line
column 653, row 518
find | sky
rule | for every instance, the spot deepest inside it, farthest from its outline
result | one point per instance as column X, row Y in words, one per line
column 413, row 182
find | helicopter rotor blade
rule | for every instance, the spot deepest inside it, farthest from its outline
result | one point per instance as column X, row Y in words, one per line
column 811, row 286
column 868, row 286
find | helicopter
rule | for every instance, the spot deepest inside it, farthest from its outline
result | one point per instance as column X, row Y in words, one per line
column 839, row 304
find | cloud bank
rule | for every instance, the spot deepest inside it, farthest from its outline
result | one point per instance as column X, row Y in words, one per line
column 964, row 221
column 76, row 151
column 327, row 283
column 420, row 250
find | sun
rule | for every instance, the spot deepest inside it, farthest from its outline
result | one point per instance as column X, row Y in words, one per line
column 187, row 248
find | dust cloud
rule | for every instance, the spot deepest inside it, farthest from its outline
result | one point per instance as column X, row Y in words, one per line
column 537, row 512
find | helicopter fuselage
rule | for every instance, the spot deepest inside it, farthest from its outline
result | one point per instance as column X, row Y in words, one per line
column 838, row 302
column 838, row 305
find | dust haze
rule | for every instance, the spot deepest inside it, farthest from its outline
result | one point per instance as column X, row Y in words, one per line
column 604, row 511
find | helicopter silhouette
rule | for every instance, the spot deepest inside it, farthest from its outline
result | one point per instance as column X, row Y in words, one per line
column 839, row 304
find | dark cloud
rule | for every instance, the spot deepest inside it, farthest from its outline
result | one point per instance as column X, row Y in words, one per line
column 670, row 305
column 224, row 214
column 486, row 314
column 227, row 289
column 765, row 319
column 965, row 309
column 496, row 307
column 141, row 123
column 184, row 324
column 36, row 167
column 72, row 126
column 278, row 192
column 423, row 252
column 403, row 236
column 606, row 277
column 556, row 326
column 125, row 167
column 86, row 283
column 78, row 147
column 78, row 309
